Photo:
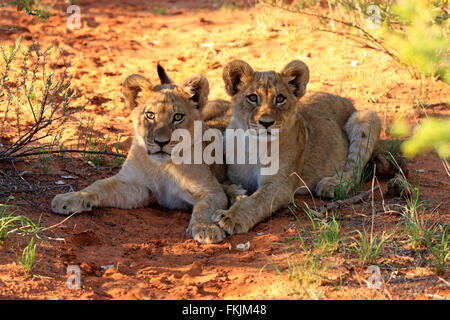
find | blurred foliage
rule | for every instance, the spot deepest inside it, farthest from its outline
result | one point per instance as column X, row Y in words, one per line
column 432, row 133
column 422, row 41
column 416, row 34
column 31, row 7
column 412, row 32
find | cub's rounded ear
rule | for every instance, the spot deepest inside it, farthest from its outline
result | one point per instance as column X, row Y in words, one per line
column 197, row 88
column 297, row 74
column 131, row 87
column 235, row 74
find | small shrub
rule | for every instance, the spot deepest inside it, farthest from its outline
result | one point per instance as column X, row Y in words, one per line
column 438, row 244
column 31, row 7
column 28, row 256
column 44, row 97
column 368, row 246
column 11, row 223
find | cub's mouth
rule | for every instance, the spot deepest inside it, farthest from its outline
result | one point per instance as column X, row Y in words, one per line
column 159, row 156
column 158, row 152
column 258, row 132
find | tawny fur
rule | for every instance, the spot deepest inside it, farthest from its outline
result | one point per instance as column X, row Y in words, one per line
column 217, row 114
column 146, row 172
column 322, row 140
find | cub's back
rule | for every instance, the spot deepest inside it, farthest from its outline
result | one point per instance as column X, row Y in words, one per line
column 326, row 151
column 217, row 114
column 327, row 106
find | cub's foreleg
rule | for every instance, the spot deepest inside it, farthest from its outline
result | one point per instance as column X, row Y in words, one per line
column 363, row 132
column 117, row 191
column 274, row 193
column 202, row 227
column 234, row 192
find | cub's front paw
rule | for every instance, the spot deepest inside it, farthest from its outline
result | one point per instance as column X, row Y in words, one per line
column 71, row 202
column 230, row 222
column 234, row 193
column 206, row 233
column 326, row 188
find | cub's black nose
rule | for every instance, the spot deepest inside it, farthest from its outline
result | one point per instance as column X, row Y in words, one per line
column 161, row 143
column 266, row 123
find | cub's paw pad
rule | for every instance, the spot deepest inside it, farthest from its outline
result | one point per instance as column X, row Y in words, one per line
column 326, row 188
column 71, row 202
column 206, row 233
column 229, row 222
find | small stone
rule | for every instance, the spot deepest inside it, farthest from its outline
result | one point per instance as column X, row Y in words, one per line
column 243, row 246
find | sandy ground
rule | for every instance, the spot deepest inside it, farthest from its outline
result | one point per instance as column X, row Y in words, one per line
column 152, row 256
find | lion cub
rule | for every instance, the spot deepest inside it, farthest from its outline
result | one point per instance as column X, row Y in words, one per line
column 322, row 140
column 156, row 112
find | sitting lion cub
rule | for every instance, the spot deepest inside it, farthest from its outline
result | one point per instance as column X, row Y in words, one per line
column 322, row 140
column 148, row 170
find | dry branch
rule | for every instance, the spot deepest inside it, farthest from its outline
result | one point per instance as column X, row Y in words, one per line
column 343, row 203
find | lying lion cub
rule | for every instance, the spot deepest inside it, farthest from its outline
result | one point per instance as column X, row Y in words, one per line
column 148, row 170
column 322, row 140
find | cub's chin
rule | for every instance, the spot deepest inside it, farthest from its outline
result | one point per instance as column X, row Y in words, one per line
column 161, row 157
column 264, row 135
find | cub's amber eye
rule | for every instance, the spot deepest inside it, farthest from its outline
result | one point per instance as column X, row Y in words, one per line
column 150, row 115
column 280, row 98
column 178, row 117
column 253, row 98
